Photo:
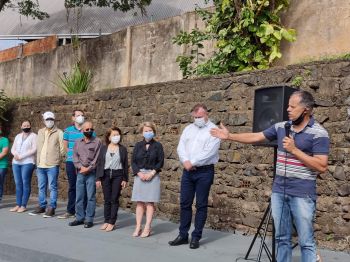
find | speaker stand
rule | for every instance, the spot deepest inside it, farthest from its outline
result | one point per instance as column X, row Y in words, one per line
column 263, row 226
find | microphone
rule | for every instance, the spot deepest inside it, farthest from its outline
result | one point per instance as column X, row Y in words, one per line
column 287, row 127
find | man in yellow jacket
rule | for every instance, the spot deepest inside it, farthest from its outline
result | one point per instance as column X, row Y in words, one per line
column 50, row 151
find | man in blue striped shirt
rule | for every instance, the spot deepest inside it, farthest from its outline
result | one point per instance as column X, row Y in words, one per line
column 301, row 157
column 72, row 134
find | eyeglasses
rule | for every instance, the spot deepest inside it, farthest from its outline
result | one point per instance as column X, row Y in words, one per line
column 89, row 129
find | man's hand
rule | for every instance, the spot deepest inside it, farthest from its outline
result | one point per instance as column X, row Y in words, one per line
column 17, row 157
column 221, row 132
column 187, row 165
column 124, row 184
column 84, row 170
column 289, row 145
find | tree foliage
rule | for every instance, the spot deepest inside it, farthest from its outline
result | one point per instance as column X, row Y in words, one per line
column 31, row 7
column 248, row 34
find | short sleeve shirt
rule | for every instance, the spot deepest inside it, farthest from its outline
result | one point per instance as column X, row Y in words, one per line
column 292, row 176
column 4, row 142
column 71, row 135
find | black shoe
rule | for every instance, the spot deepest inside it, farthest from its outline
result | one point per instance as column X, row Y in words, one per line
column 178, row 241
column 194, row 243
column 88, row 224
column 76, row 223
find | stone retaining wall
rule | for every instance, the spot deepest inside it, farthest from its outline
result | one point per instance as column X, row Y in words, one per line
column 242, row 184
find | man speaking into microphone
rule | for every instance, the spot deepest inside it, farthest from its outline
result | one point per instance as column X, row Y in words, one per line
column 303, row 147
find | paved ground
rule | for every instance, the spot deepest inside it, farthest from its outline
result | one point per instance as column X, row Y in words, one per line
column 35, row 239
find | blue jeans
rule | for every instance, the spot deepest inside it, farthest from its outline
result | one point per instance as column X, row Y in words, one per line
column 23, row 179
column 47, row 177
column 72, row 180
column 3, row 172
column 86, row 187
column 287, row 210
column 195, row 183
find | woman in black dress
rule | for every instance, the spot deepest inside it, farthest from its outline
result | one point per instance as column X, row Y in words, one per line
column 147, row 161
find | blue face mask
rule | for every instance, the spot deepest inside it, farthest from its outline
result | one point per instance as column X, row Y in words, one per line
column 148, row 135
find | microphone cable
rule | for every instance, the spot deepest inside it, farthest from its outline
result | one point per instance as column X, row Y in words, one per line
column 287, row 127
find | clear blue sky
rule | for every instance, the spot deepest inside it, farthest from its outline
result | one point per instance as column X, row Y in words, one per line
column 4, row 44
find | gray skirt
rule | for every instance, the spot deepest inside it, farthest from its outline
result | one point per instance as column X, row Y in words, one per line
column 146, row 191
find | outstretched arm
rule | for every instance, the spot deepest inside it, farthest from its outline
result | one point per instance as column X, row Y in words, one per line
column 246, row 138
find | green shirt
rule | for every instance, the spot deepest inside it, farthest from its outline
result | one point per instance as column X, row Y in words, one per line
column 4, row 142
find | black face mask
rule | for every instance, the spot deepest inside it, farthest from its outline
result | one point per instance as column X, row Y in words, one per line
column 26, row 130
column 299, row 119
column 88, row 134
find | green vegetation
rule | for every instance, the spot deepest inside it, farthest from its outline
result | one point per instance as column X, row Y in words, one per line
column 77, row 82
column 329, row 237
column 247, row 34
column 326, row 58
column 4, row 102
column 297, row 81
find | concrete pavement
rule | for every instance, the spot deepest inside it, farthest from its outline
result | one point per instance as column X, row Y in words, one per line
column 35, row 239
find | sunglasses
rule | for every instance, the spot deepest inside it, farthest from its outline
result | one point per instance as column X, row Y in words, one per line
column 89, row 129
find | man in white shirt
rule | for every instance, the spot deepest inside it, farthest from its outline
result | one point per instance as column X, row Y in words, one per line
column 198, row 152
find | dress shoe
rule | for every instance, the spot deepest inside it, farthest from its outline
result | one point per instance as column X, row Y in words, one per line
column 88, row 224
column 76, row 223
column 178, row 241
column 194, row 243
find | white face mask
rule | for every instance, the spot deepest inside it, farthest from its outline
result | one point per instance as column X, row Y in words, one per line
column 115, row 139
column 200, row 122
column 80, row 120
column 49, row 123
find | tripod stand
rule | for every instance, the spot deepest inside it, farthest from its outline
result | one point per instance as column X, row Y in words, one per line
column 263, row 226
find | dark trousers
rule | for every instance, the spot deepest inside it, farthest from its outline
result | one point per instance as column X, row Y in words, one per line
column 72, row 180
column 111, row 192
column 2, row 180
column 195, row 183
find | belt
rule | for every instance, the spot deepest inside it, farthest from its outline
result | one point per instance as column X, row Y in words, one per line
column 203, row 167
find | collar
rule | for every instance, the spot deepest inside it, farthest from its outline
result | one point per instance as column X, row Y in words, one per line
column 73, row 126
column 53, row 129
column 92, row 139
column 311, row 121
column 148, row 143
column 309, row 124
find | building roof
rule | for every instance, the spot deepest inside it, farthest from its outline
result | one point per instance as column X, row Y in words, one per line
column 92, row 22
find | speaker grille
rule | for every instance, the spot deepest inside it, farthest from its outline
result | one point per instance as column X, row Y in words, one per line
column 270, row 107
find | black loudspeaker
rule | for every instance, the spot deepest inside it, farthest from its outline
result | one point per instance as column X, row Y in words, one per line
column 270, row 107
